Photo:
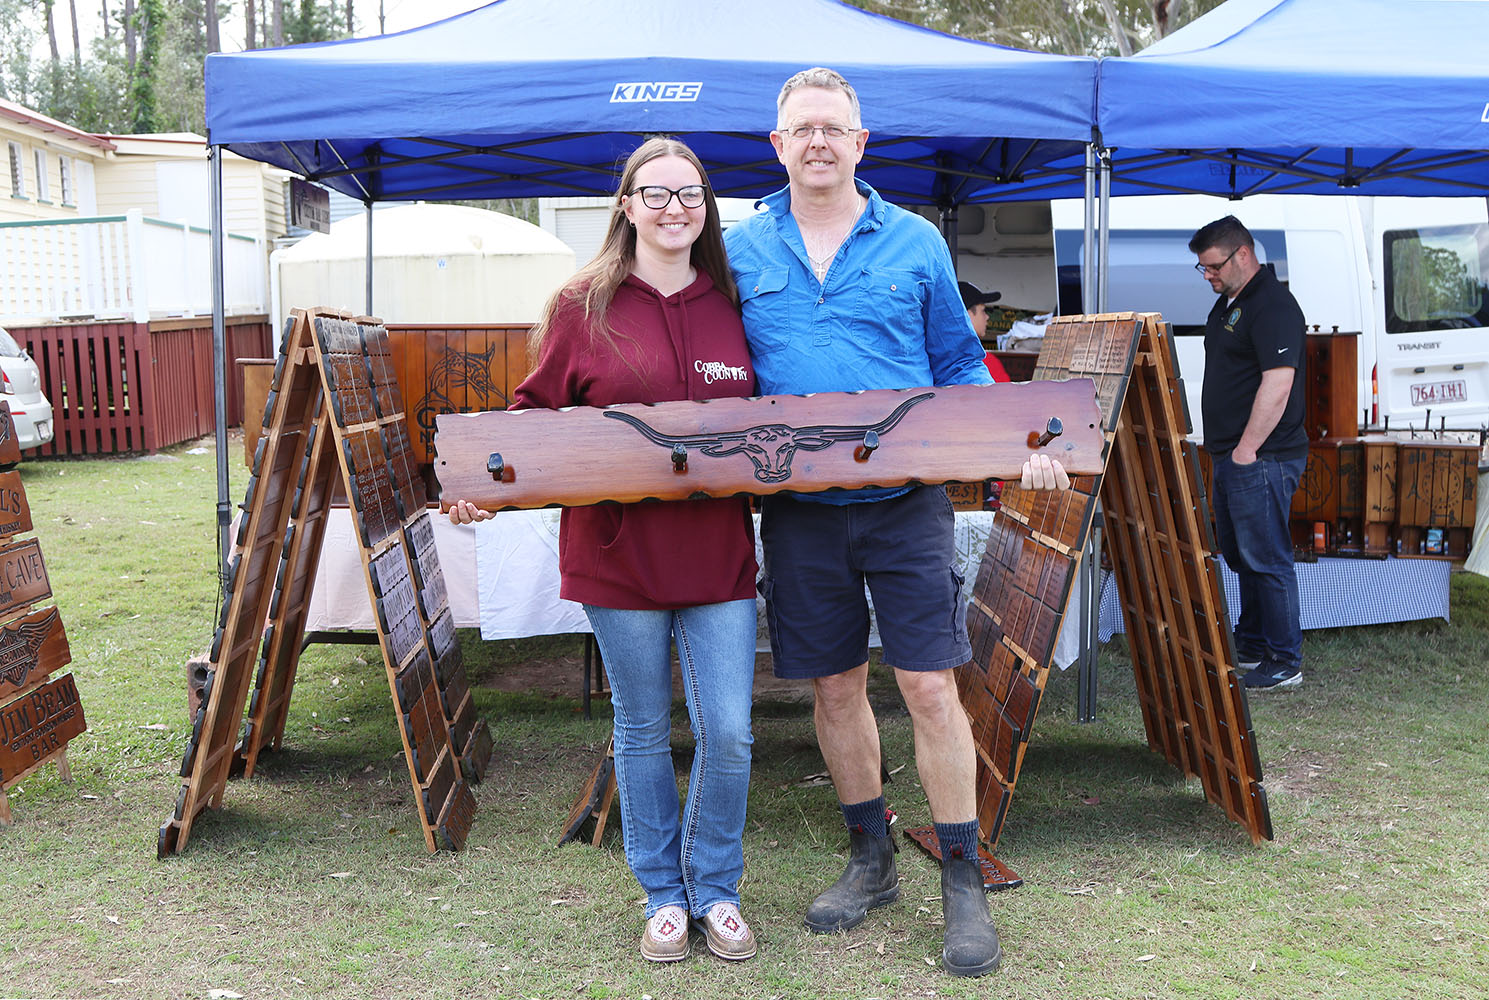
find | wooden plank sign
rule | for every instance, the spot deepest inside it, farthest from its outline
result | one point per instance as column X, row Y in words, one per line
column 23, row 576
column 37, row 727
column 31, row 648
column 10, row 445
column 15, row 512
column 724, row 447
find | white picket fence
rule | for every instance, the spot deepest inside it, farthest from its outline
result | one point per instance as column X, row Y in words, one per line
column 122, row 266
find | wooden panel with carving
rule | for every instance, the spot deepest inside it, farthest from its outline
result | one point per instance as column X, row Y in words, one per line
column 1159, row 539
column 1024, row 580
column 725, row 447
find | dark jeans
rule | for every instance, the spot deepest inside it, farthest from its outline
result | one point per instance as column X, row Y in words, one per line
column 1251, row 510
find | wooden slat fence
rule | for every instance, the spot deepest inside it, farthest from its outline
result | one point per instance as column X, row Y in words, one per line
column 130, row 387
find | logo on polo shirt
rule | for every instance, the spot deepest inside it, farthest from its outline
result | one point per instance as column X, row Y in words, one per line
column 636, row 93
column 717, row 371
column 1231, row 319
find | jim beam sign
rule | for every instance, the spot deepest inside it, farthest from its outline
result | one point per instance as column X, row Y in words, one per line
column 37, row 726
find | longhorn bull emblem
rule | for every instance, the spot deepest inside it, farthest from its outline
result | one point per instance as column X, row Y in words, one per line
column 771, row 447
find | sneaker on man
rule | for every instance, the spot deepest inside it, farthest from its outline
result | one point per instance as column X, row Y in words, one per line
column 1271, row 676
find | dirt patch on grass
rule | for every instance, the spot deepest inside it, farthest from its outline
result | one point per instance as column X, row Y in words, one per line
column 1301, row 774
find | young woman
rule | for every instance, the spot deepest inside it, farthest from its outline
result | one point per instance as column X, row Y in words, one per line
column 655, row 317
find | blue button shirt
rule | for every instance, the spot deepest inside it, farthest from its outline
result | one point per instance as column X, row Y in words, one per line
column 887, row 316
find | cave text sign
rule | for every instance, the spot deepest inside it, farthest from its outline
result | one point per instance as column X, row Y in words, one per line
column 23, row 576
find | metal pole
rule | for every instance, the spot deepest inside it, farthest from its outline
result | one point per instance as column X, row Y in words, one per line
column 949, row 232
column 1088, row 246
column 219, row 356
column 1104, row 233
column 369, row 259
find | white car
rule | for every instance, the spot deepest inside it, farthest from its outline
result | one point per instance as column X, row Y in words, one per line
column 30, row 410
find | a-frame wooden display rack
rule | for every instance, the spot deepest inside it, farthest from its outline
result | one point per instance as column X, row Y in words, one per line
column 1157, row 535
column 334, row 410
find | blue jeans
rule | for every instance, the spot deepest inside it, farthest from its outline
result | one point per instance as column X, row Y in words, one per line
column 696, row 863
column 1251, row 511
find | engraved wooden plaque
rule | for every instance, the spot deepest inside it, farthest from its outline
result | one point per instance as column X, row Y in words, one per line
column 15, row 512
column 31, row 648
column 23, row 576
column 724, row 447
column 10, row 445
column 37, row 726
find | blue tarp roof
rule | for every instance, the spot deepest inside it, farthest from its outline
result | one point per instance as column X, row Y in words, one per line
column 1308, row 97
column 541, row 97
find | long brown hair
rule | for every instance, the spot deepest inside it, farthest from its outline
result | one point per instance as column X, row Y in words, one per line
column 595, row 283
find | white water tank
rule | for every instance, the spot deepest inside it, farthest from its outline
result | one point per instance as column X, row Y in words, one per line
column 431, row 264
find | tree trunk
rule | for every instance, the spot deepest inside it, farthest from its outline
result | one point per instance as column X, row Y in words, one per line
column 214, row 40
column 107, row 31
column 277, row 21
column 52, row 32
column 250, row 28
column 77, row 45
column 351, row 25
column 1114, row 23
column 129, row 36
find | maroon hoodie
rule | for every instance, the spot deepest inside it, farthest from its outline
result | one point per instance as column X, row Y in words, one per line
column 650, row 556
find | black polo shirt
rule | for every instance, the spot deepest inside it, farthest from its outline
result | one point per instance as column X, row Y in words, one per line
column 1261, row 330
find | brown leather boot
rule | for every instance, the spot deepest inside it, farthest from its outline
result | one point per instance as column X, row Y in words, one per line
column 971, row 945
column 870, row 880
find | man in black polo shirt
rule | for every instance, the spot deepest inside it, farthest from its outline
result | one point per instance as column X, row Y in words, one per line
column 1253, row 412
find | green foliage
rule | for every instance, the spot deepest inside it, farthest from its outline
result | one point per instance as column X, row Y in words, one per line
column 163, row 93
column 150, row 26
column 1071, row 27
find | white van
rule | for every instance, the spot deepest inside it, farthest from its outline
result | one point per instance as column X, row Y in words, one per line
column 1409, row 275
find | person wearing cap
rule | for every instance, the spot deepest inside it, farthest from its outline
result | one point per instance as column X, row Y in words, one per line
column 976, row 301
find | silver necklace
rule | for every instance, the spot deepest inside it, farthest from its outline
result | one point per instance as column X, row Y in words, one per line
column 821, row 264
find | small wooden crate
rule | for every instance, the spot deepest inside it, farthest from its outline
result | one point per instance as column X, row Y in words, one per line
column 1436, row 498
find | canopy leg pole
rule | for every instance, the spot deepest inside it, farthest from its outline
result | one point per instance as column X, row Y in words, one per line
column 369, row 258
column 1088, row 245
column 219, row 357
column 1103, row 237
column 949, row 233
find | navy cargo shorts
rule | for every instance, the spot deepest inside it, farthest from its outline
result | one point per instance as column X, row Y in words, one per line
column 819, row 556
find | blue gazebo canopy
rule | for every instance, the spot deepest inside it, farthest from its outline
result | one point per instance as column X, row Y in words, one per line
column 527, row 98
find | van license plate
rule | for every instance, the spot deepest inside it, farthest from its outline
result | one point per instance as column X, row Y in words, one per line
column 1433, row 393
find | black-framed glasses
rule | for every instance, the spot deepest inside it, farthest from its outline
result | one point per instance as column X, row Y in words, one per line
column 657, row 197
column 834, row 132
column 1215, row 268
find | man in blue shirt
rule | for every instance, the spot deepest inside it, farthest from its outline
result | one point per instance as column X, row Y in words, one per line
column 840, row 292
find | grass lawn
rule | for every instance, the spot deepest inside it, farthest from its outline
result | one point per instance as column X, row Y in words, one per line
column 313, row 880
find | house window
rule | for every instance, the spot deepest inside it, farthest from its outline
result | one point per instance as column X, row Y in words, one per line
column 17, row 171
column 64, row 168
column 43, row 190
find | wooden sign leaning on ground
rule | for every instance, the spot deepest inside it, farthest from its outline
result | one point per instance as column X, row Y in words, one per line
column 334, row 414
column 725, row 447
column 37, row 718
